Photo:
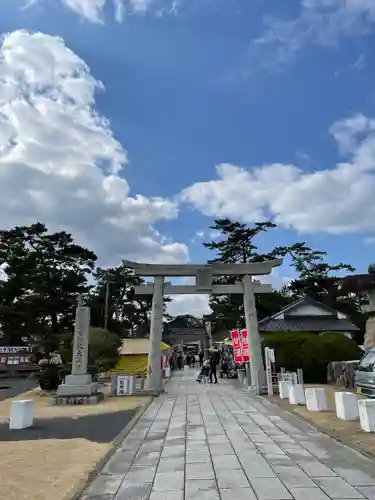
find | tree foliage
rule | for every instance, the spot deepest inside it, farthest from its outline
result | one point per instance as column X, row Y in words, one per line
column 315, row 276
column 43, row 274
column 237, row 245
column 311, row 352
column 127, row 313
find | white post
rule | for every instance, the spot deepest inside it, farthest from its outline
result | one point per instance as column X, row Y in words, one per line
column 270, row 358
column 154, row 372
column 255, row 349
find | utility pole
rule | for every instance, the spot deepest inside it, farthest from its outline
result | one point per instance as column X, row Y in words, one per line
column 106, row 306
column 110, row 279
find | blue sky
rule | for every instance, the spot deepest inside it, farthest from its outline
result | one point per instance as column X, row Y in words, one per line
column 280, row 92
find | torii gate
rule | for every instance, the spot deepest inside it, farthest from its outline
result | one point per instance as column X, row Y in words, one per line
column 203, row 274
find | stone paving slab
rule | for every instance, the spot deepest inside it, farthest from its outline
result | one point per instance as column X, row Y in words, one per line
column 216, row 442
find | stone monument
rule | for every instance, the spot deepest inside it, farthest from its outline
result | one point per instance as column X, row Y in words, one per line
column 78, row 387
column 364, row 283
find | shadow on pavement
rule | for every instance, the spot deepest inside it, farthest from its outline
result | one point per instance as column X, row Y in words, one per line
column 15, row 386
column 99, row 428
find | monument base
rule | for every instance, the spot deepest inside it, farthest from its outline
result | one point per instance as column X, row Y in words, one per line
column 77, row 400
column 78, row 385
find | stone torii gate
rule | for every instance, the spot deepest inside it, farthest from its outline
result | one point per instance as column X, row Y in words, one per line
column 203, row 274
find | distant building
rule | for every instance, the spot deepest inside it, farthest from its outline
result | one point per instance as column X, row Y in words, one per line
column 308, row 315
column 16, row 361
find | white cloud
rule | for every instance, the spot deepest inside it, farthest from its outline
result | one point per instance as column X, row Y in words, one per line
column 92, row 10
column 337, row 200
column 60, row 162
column 320, row 22
column 87, row 9
column 196, row 305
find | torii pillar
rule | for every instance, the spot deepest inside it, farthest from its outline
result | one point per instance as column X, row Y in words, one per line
column 203, row 274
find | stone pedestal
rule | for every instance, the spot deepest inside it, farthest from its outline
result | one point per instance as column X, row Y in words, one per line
column 366, row 408
column 296, row 394
column 284, row 389
column 316, row 399
column 21, row 414
column 78, row 385
column 346, row 406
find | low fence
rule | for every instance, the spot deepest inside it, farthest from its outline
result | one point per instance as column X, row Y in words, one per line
column 342, row 373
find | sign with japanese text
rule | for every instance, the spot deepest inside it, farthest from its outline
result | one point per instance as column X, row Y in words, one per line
column 12, row 350
column 237, row 346
column 245, row 346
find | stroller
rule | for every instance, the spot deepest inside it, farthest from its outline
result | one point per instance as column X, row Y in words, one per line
column 204, row 373
column 224, row 368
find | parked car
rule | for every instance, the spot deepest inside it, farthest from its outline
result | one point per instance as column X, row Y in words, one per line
column 365, row 375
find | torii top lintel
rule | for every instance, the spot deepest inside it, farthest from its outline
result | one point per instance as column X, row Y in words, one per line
column 216, row 269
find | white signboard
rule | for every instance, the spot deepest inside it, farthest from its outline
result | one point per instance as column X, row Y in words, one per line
column 125, row 385
column 12, row 350
column 270, row 358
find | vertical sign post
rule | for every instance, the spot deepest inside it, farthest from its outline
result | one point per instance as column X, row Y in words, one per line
column 270, row 358
column 245, row 346
column 245, row 354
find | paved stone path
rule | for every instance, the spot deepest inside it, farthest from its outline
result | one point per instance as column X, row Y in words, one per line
column 215, row 442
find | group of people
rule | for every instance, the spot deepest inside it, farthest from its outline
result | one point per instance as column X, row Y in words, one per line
column 209, row 367
column 190, row 359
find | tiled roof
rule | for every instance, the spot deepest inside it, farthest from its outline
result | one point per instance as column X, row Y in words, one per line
column 306, row 324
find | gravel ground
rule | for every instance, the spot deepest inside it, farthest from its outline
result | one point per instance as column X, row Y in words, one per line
column 55, row 456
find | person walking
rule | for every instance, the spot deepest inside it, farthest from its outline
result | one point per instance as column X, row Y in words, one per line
column 201, row 356
column 214, row 361
column 180, row 361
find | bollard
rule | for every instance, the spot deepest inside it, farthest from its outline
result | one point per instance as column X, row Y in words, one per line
column 316, row 399
column 296, row 394
column 284, row 389
column 366, row 409
column 346, row 406
column 21, row 414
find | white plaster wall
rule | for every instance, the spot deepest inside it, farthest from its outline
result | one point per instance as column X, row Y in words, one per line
column 308, row 310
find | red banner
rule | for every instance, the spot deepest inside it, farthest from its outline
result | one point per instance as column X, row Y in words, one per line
column 237, row 347
column 245, row 346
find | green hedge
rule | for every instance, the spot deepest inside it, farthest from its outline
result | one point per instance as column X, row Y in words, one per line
column 311, row 352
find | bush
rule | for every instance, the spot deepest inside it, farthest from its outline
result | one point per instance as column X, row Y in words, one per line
column 49, row 376
column 311, row 352
column 103, row 350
